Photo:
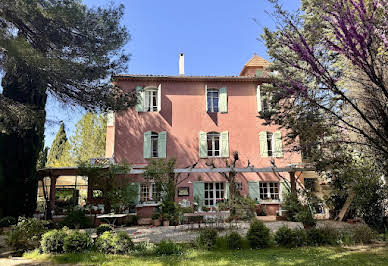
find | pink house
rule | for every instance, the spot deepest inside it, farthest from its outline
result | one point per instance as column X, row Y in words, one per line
column 201, row 118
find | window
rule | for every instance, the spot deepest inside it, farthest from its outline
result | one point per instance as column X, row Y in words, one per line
column 265, row 104
column 154, row 144
column 213, row 144
column 151, row 100
column 269, row 143
column 148, row 192
column 213, row 192
column 212, row 100
column 269, row 190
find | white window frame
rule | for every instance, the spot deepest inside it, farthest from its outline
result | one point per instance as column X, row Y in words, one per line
column 267, row 195
column 151, row 100
column 210, row 99
column 154, row 145
column 216, row 189
column 212, row 136
column 150, row 190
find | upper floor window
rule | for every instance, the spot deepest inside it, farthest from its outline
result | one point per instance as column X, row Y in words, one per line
column 155, row 144
column 148, row 99
column 263, row 100
column 212, row 100
column 213, row 144
column 151, row 100
column 271, row 144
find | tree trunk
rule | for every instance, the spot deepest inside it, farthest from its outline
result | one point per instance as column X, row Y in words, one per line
column 19, row 151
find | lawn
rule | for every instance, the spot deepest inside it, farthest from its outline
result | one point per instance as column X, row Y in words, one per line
column 366, row 255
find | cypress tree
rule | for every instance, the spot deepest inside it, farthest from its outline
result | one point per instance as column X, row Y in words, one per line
column 57, row 147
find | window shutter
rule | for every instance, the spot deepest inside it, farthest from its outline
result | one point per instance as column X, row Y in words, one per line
column 206, row 99
column 202, row 144
column 147, row 144
column 199, row 192
column 159, row 97
column 223, row 100
column 138, row 192
column 162, row 140
column 110, row 119
column 226, row 193
column 263, row 144
column 284, row 190
column 225, row 144
column 140, row 99
column 254, row 190
column 258, row 98
column 278, row 146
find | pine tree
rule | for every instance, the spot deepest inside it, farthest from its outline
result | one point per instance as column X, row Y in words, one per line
column 57, row 147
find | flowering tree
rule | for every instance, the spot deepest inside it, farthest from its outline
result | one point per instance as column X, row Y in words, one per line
column 331, row 84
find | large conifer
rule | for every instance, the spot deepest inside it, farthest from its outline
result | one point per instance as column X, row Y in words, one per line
column 57, row 147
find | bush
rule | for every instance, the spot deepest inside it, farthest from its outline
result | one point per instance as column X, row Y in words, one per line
column 53, row 241
column 207, row 238
column 103, row 228
column 363, row 234
column 323, row 236
column 242, row 209
column 234, row 241
column 168, row 248
column 144, row 248
column 76, row 242
column 287, row 237
column 76, row 219
column 104, row 242
column 26, row 234
column 258, row 235
column 8, row 221
column 306, row 217
column 122, row 243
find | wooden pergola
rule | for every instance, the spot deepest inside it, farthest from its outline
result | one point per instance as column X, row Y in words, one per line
column 54, row 173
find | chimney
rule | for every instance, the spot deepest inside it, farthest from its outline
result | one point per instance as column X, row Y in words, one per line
column 181, row 64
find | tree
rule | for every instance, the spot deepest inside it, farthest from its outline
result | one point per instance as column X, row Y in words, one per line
column 57, row 147
column 57, row 47
column 89, row 138
column 42, row 159
column 331, row 79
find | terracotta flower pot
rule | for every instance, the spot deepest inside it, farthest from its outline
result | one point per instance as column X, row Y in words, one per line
column 156, row 222
column 166, row 223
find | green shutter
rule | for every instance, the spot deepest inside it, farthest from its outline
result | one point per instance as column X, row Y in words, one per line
column 147, row 144
column 259, row 73
column 226, row 194
column 254, row 190
column 199, row 192
column 162, row 140
column 277, row 138
column 258, row 98
column 206, row 99
column 159, row 97
column 140, row 99
column 202, row 144
column 138, row 192
column 223, row 100
column 225, row 144
column 263, row 144
column 284, row 190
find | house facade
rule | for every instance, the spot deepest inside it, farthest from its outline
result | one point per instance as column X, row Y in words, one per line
column 204, row 119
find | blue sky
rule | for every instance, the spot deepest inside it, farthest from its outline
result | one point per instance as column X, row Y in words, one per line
column 217, row 38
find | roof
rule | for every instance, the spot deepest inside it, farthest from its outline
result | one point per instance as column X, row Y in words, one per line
column 256, row 61
column 186, row 78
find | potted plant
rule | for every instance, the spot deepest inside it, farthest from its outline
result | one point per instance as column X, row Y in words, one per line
column 166, row 219
column 156, row 218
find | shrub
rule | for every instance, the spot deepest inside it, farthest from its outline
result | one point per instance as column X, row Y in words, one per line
column 168, row 248
column 76, row 219
column 258, row 235
column 8, row 221
column 306, row 217
column 122, row 243
column 26, row 234
column 103, row 228
column 144, row 248
column 207, row 238
column 363, row 234
column 77, row 241
column 52, row 241
column 242, row 209
column 104, row 242
column 234, row 241
column 292, row 204
column 323, row 236
column 287, row 237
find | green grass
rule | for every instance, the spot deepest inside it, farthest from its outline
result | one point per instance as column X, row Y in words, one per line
column 272, row 256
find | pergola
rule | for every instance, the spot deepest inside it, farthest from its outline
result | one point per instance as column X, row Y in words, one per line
column 54, row 173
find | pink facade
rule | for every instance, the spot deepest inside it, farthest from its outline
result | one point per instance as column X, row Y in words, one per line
column 183, row 115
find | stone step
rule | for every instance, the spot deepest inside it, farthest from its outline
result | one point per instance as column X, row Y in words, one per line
column 268, row 218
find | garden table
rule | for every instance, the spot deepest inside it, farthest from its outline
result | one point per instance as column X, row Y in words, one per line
column 112, row 217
